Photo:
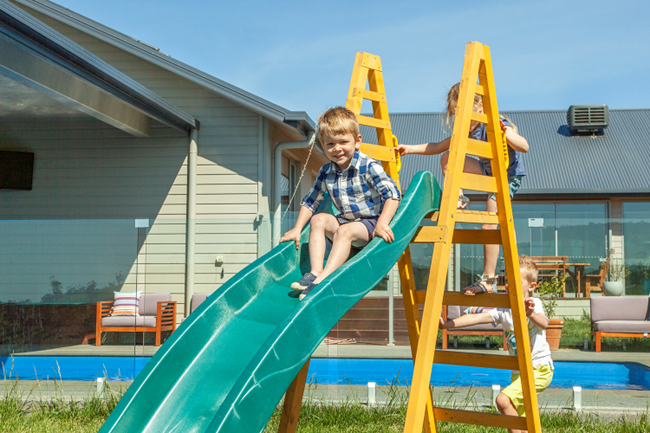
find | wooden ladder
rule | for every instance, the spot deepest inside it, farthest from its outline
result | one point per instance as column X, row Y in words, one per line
column 477, row 78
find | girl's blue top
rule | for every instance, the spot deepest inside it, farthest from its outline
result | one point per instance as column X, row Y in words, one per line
column 515, row 165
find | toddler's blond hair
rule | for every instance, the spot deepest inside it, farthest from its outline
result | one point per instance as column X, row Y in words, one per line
column 528, row 268
column 337, row 121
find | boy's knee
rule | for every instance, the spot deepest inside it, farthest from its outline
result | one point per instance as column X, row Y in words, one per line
column 343, row 231
column 503, row 402
column 319, row 220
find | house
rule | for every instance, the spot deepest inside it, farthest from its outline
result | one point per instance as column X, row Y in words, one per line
column 584, row 193
column 148, row 174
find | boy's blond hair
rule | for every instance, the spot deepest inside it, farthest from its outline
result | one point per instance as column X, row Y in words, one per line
column 337, row 121
column 528, row 268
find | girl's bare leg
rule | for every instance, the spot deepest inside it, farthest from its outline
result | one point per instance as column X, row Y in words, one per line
column 490, row 252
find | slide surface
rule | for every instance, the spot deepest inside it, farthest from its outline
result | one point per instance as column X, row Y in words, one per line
column 228, row 365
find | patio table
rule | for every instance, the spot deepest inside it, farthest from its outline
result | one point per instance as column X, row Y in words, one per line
column 578, row 274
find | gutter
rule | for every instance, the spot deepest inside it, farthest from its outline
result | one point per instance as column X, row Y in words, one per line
column 277, row 181
column 190, row 236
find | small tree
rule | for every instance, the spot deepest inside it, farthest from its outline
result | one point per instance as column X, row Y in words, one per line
column 549, row 290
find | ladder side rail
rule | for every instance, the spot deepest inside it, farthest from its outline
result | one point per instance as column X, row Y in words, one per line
column 509, row 243
column 423, row 363
column 413, row 320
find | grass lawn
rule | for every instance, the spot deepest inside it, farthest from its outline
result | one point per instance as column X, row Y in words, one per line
column 60, row 416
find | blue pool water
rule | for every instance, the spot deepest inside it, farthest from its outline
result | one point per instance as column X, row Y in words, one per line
column 588, row 375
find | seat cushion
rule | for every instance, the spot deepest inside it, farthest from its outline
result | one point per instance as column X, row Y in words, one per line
column 129, row 321
column 619, row 308
column 625, row 326
column 149, row 302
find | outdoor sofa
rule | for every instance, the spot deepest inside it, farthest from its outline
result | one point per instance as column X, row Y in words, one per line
column 197, row 299
column 157, row 314
column 453, row 312
column 619, row 316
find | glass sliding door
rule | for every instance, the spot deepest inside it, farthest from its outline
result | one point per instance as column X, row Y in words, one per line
column 636, row 235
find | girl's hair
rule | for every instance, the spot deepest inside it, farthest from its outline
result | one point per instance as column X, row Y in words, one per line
column 452, row 102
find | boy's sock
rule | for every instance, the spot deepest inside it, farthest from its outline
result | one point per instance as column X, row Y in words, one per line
column 302, row 283
column 305, row 292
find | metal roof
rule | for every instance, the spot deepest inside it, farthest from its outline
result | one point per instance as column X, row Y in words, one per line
column 557, row 164
column 297, row 119
column 21, row 27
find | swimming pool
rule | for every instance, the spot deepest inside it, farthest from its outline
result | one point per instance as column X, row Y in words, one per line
column 588, row 375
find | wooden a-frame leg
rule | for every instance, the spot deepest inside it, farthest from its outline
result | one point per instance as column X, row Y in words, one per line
column 293, row 402
column 412, row 310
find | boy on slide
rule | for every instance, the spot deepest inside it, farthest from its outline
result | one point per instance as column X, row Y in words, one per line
column 365, row 196
column 511, row 400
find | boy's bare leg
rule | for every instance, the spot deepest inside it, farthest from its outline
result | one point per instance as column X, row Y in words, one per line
column 506, row 407
column 346, row 235
column 321, row 225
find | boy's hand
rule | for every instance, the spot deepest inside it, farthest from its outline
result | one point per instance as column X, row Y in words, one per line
column 292, row 235
column 383, row 231
column 529, row 306
column 442, row 324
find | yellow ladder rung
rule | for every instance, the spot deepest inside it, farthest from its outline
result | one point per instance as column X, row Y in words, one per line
column 478, row 182
column 430, row 235
column 482, row 149
column 476, row 217
column 477, row 237
column 479, row 90
column 372, row 122
column 367, row 94
column 479, row 117
column 497, row 300
column 480, row 418
column 501, row 362
column 371, row 62
column 380, row 153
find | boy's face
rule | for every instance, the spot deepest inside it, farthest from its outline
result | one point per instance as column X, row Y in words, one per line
column 340, row 148
column 528, row 286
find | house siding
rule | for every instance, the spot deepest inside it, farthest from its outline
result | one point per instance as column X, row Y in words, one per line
column 228, row 178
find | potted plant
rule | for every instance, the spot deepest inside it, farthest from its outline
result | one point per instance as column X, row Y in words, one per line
column 615, row 286
column 549, row 290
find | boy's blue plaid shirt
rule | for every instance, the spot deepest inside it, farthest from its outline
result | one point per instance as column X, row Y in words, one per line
column 357, row 192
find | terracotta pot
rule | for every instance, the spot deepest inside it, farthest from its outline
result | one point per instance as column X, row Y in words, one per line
column 554, row 333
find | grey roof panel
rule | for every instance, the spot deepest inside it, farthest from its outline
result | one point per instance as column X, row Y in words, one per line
column 615, row 163
column 151, row 54
column 19, row 25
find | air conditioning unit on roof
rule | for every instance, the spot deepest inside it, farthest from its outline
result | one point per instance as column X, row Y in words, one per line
column 587, row 118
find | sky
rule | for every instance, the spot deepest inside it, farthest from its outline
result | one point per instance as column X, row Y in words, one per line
column 546, row 55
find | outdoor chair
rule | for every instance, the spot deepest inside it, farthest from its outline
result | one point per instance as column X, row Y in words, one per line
column 157, row 314
column 552, row 266
column 594, row 283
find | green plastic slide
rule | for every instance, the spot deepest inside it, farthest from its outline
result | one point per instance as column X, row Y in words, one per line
column 228, row 365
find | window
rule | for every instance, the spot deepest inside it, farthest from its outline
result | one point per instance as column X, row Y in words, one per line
column 636, row 235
